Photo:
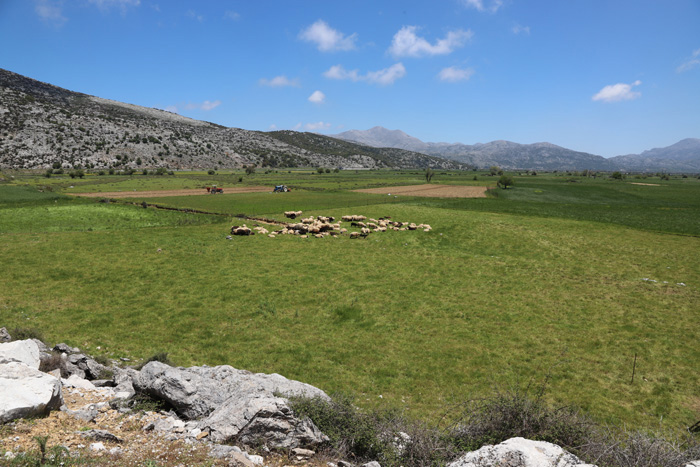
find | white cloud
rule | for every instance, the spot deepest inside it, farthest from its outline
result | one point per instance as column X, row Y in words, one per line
column 272, row 127
column 383, row 77
column 297, row 126
column 326, row 38
column 493, row 7
column 206, row 105
column 691, row 63
column 232, row 15
column 338, row 72
column 279, row 81
column 454, row 74
column 518, row 29
column 50, row 12
column 407, row 44
column 317, row 97
column 317, row 126
column 618, row 92
column 387, row 75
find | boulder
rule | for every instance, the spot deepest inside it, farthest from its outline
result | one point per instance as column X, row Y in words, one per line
column 26, row 351
column 234, row 405
column 4, row 336
column 27, row 392
column 519, row 452
column 88, row 366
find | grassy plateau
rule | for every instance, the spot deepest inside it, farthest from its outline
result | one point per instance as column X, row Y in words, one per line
column 564, row 276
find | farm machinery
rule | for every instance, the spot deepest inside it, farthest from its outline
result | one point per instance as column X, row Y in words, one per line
column 214, row 190
column 281, row 189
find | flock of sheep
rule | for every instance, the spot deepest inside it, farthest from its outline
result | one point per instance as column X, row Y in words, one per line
column 322, row 226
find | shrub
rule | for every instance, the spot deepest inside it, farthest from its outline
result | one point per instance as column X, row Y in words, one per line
column 20, row 334
column 48, row 173
column 211, row 172
column 53, row 362
column 516, row 412
column 351, row 431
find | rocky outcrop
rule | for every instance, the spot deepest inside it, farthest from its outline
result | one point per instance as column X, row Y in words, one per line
column 234, row 405
column 24, row 390
column 519, row 452
column 45, row 124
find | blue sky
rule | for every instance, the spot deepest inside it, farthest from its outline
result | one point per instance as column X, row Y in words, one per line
column 601, row 76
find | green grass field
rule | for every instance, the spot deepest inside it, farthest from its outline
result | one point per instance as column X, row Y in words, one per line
column 550, row 277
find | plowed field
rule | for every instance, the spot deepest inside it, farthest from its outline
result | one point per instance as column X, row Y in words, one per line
column 161, row 193
column 433, row 191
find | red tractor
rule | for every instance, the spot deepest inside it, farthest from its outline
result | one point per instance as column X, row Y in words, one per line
column 214, row 190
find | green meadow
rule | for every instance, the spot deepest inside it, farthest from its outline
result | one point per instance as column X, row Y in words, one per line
column 561, row 278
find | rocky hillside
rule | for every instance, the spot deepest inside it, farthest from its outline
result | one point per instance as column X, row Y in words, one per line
column 505, row 154
column 684, row 156
column 41, row 124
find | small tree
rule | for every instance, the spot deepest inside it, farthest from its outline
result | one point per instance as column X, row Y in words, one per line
column 495, row 170
column 211, row 172
column 429, row 174
column 48, row 173
column 616, row 175
column 505, row 181
column 320, row 170
column 250, row 170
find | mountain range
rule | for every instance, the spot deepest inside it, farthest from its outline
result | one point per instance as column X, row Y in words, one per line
column 683, row 156
column 42, row 124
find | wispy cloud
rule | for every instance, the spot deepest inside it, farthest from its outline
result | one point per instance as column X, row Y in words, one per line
column 518, row 29
column 691, row 63
column 317, row 126
column 317, row 97
column 206, row 106
column 278, row 82
column 479, row 5
column 407, row 44
column 232, row 15
column 453, row 74
column 326, row 38
column 194, row 15
column 385, row 76
column 50, row 12
column 105, row 5
column 618, row 92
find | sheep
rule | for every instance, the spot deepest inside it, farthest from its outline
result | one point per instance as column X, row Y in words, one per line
column 354, row 234
column 292, row 214
column 242, row 230
column 364, row 231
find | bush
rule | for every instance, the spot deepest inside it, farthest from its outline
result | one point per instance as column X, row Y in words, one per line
column 211, row 172
column 20, row 334
column 53, row 362
column 48, row 173
column 516, row 412
column 367, row 436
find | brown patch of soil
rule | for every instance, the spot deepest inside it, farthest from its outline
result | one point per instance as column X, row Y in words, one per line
column 432, row 191
column 163, row 193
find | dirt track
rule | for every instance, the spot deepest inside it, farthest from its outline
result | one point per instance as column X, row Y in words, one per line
column 162, row 193
column 433, row 191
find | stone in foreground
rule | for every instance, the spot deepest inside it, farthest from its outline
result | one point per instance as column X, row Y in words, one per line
column 27, row 392
column 519, row 452
column 234, row 405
